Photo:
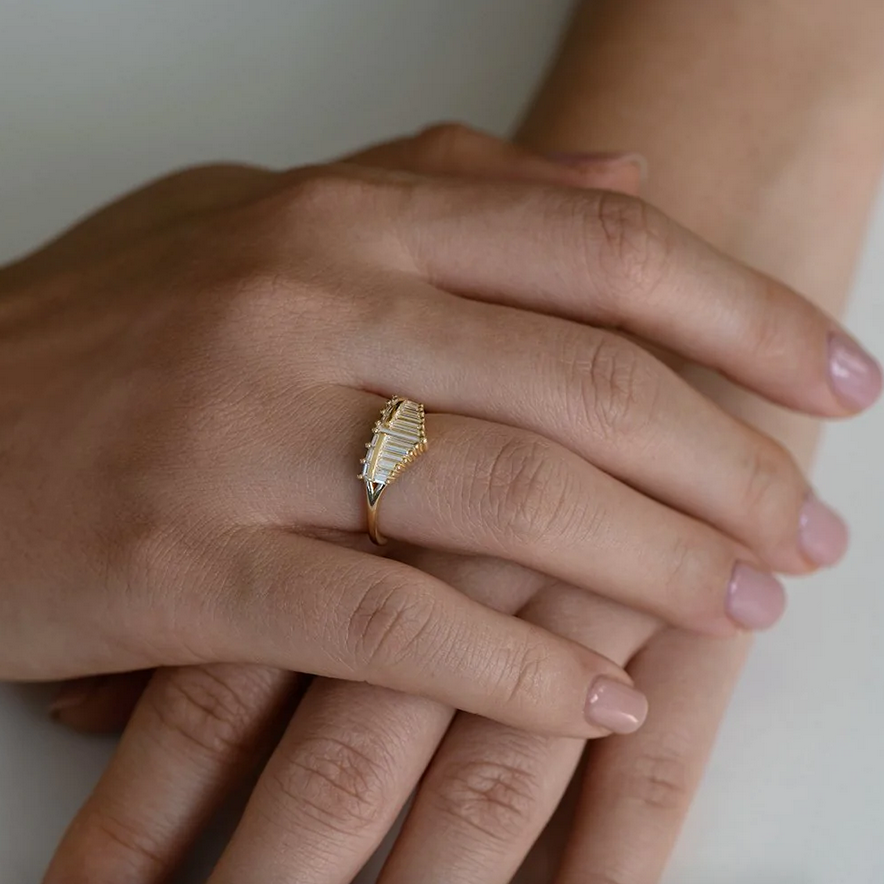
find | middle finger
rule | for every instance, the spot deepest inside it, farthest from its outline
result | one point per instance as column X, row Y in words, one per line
column 489, row 489
column 610, row 401
column 491, row 789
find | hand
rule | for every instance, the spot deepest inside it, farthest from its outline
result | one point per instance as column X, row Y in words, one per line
column 180, row 415
column 331, row 719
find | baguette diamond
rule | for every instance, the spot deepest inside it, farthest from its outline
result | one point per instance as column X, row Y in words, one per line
column 398, row 438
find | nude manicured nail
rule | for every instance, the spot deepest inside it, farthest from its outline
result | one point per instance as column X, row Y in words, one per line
column 615, row 706
column 611, row 158
column 755, row 599
column 855, row 376
column 822, row 534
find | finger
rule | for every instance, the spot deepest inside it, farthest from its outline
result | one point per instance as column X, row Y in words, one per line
column 611, row 259
column 351, row 756
column 334, row 786
column 638, row 791
column 488, row 489
column 196, row 733
column 455, row 149
column 610, row 401
column 309, row 606
column 99, row 704
column 490, row 789
column 162, row 745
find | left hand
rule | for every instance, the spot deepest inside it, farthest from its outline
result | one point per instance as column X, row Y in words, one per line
column 352, row 753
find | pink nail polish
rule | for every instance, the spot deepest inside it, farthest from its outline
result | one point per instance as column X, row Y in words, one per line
column 615, row 706
column 611, row 158
column 855, row 376
column 822, row 534
column 755, row 600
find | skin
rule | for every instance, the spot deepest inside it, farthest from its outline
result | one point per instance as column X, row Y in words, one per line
column 627, row 821
column 198, row 747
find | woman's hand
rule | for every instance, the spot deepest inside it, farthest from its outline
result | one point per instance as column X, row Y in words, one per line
column 375, row 741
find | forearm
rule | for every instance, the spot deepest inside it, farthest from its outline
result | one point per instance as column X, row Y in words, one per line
column 762, row 123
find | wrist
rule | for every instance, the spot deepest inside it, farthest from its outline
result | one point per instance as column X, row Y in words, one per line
column 761, row 122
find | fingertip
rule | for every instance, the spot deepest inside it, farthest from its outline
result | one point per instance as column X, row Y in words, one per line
column 823, row 536
column 755, row 599
column 854, row 375
column 615, row 706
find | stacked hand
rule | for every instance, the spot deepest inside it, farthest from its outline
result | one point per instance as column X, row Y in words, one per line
column 190, row 377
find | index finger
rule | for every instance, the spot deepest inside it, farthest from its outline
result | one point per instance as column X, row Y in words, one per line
column 303, row 604
column 611, row 259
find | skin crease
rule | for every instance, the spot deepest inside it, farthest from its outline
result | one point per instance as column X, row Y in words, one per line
column 563, row 118
column 180, row 482
column 553, row 605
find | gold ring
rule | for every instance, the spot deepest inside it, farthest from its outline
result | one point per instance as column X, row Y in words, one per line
column 399, row 437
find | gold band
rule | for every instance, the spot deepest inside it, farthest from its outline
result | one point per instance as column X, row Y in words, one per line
column 399, row 437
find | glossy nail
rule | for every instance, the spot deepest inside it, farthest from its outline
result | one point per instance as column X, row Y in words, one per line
column 855, row 376
column 615, row 706
column 609, row 158
column 755, row 599
column 822, row 534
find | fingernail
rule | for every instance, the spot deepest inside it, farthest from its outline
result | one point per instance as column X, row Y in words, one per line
column 755, row 599
column 613, row 158
column 822, row 534
column 74, row 693
column 855, row 376
column 615, row 706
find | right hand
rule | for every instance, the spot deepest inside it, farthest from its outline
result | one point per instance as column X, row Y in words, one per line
column 183, row 404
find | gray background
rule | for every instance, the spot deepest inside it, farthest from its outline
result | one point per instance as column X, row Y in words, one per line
column 97, row 95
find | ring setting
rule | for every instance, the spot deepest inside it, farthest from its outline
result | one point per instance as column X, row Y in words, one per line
column 399, row 437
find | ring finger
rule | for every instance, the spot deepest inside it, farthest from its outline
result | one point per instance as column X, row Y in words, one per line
column 610, row 401
column 489, row 489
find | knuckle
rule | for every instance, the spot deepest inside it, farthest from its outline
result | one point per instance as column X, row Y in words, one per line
column 310, row 209
column 616, row 388
column 659, row 780
column 210, row 712
column 494, row 798
column 107, row 845
column 256, row 312
column 442, row 141
column 334, row 784
column 389, row 623
column 324, row 192
column 527, row 493
column 634, row 241
column 526, row 675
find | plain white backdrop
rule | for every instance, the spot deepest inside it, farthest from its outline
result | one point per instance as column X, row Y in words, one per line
column 97, row 95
